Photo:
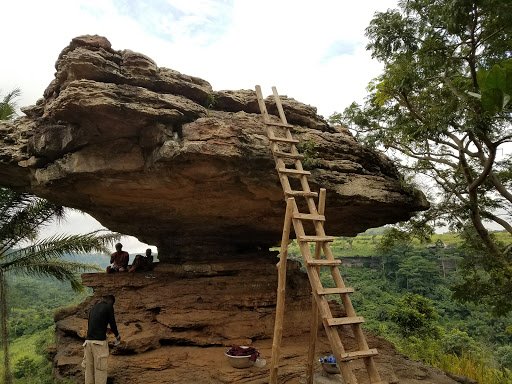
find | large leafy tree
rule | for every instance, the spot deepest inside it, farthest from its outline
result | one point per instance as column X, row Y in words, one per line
column 442, row 107
column 21, row 252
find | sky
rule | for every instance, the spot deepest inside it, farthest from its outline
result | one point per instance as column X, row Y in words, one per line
column 313, row 51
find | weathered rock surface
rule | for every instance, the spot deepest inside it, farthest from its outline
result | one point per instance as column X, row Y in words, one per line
column 177, row 322
column 159, row 155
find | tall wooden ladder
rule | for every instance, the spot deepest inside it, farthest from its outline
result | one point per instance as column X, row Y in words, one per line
column 288, row 165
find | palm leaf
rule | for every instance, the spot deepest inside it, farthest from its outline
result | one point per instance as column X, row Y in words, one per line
column 56, row 247
column 61, row 270
column 24, row 219
column 8, row 105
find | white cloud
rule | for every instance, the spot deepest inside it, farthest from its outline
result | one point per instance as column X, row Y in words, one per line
column 294, row 45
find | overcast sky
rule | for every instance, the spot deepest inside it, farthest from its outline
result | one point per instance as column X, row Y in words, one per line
column 313, row 51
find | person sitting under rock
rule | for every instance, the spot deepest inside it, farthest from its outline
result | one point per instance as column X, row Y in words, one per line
column 142, row 263
column 118, row 260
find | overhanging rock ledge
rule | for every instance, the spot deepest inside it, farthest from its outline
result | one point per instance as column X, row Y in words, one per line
column 159, row 155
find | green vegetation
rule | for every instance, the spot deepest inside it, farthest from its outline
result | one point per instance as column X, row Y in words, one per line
column 8, row 105
column 308, row 149
column 365, row 244
column 23, row 253
column 31, row 327
column 404, row 291
column 442, row 108
column 462, row 338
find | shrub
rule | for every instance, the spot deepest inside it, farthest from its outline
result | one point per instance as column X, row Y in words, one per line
column 504, row 356
column 415, row 315
column 25, row 367
column 457, row 343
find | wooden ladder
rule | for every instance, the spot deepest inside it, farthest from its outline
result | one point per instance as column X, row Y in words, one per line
column 285, row 153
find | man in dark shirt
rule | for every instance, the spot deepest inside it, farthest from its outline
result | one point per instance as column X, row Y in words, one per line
column 96, row 346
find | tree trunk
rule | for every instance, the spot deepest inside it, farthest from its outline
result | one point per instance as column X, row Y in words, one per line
column 4, row 331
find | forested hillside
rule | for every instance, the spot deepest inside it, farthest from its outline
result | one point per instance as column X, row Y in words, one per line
column 405, row 297
column 31, row 306
column 403, row 289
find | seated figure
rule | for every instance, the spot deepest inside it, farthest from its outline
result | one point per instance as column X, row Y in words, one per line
column 142, row 263
column 118, row 260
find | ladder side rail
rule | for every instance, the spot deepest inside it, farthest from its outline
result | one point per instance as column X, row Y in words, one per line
column 339, row 282
column 310, row 202
column 281, row 292
column 347, row 303
column 279, row 106
column 294, row 150
column 261, row 103
column 313, row 334
column 298, row 163
column 279, row 163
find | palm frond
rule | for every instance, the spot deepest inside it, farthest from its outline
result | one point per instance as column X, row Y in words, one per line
column 24, row 219
column 10, row 200
column 61, row 270
column 56, row 247
column 8, row 105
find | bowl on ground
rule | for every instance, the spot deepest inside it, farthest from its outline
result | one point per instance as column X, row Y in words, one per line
column 331, row 368
column 240, row 361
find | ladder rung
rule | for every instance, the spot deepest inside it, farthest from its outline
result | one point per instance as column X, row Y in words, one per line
column 301, row 193
column 288, row 155
column 283, row 139
column 308, row 216
column 318, row 239
column 334, row 291
column 323, row 262
column 279, row 124
column 345, row 320
column 293, row 171
column 347, row 356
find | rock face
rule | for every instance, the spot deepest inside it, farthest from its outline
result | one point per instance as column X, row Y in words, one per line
column 177, row 322
column 159, row 155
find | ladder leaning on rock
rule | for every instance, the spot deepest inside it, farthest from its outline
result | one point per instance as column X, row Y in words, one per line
column 285, row 152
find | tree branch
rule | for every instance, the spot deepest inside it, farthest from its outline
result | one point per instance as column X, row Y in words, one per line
column 498, row 220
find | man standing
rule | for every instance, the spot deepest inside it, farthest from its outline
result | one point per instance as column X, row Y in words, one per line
column 96, row 345
column 118, row 260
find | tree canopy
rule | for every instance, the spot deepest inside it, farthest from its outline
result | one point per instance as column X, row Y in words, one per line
column 442, row 108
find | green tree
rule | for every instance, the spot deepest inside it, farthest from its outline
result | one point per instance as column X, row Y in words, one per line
column 418, row 275
column 442, row 107
column 21, row 218
column 8, row 105
column 415, row 315
column 396, row 244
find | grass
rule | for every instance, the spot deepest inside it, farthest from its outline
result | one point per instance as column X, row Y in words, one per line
column 476, row 367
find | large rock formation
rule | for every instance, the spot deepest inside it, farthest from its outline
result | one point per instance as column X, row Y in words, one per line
column 159, row 155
